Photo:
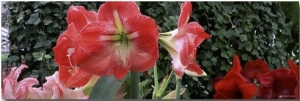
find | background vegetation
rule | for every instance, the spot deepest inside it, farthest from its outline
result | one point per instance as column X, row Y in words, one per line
column 267, row 30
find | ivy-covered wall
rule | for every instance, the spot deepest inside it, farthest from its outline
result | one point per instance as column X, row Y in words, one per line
column 267, row 30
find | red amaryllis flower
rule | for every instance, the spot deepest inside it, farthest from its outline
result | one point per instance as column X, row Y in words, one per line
column 182, row 43
column 123, row 40
column 293, row 66
column 54, row 89
column 68, row 54
column 233, row 85
column 253, row 69
column 278, row 84
column 12, row 89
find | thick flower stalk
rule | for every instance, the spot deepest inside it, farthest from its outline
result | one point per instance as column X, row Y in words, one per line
column 122, row 40
column 182, row 43
column 12, row 89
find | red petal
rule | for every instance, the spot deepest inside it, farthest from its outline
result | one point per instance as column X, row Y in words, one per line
column 73, row 77
column 293, row 66
column 80, row 16
column 185, row 13
column 236, row 66
column 65, row 41
column 296, row 92
column 144, row 42
column 124, row 9
column 280, row 82
column 228, row 87
column 194, row 67
column 253, row 69
column 248, row 90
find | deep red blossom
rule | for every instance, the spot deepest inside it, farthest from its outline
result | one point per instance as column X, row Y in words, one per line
column 233, row 85
column 253, row 69
column 182, row 43
column 122, row 40
column 278, row 84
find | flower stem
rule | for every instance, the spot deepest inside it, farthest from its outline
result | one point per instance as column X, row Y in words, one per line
column 156, row 85
column 178, row 86
column 164, row 85
column 135, row 90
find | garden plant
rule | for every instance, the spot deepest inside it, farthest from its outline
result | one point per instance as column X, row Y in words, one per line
column 152, row 50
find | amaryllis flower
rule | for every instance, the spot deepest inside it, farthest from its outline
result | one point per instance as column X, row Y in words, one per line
column 54, row 89
column 233, row 85
column 68, row 54
column 278, row 84
column 122, row 40
column 281, row 83
column 253, row 69
column 12, row 89
column 182, row 43
column 293, row 66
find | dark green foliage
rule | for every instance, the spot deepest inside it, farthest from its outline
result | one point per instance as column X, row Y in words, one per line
column 249, row 29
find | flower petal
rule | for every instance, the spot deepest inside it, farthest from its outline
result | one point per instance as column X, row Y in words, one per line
column 144, row 42
column 185, row 13
column 73, row 77
column 124, row 9
column 293, row 66
column 279, row 82
column 194, row 70
column 253, row 69
column 80, row 16
column 236, row 66
column 227, row 88
column 65, row 45
column 248, row 90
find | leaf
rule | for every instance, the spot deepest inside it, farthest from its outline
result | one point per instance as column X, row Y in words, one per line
column 106, row 88
column 37, row 55
column 171, row 95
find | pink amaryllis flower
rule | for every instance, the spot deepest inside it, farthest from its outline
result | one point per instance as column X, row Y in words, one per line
column 68, row 54
column 122, row 40
column 12, row 89
column 234, row 85
column 182, row 43
column 55, row 89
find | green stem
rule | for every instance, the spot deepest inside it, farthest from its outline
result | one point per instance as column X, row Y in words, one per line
column 156, row 85
column 135, row 80
column 178, row 86
column 164, row 85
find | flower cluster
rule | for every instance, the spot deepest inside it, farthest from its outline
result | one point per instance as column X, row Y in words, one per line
column 107, row 42
column 52, row 89
column 256, row 80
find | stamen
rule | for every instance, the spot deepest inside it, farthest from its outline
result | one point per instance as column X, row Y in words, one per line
column 70, row 52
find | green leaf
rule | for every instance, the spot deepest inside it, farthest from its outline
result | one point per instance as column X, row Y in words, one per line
column 37, row 55
column 106, row 87
column 171, row 95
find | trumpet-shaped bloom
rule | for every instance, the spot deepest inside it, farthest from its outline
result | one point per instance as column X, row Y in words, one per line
column 68, row 54
column 278, row 84
column 54, row 89
column 253, row 69
column 182, row 43
column 122, row 40
column 281, row 83
column 12, row 89
column 233, row 85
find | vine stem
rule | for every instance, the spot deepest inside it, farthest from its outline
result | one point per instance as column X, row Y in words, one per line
column 233, row 26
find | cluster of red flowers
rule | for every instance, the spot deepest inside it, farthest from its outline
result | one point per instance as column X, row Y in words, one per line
column 256, row 80
column 118, row 39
